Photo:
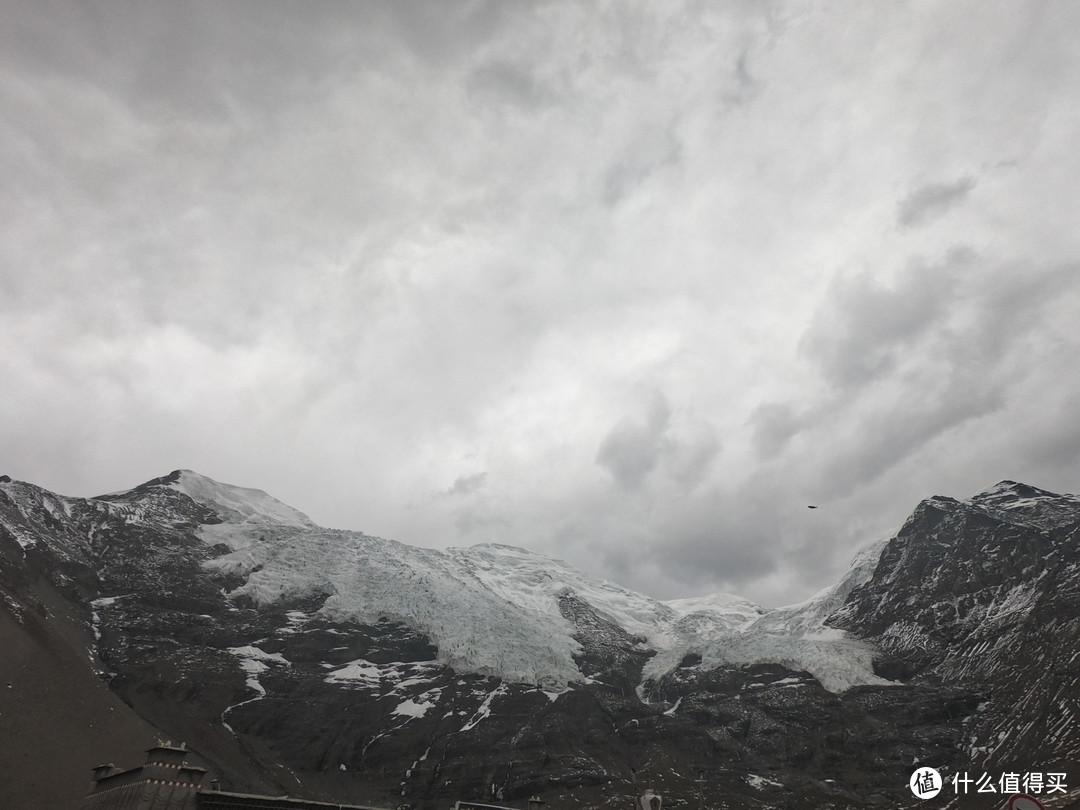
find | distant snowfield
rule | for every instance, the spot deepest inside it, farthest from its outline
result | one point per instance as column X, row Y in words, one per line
column 494, row 609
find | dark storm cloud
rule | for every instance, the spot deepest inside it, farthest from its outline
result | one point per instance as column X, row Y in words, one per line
column 931, row 201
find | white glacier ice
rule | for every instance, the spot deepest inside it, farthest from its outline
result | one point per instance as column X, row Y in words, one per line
column 494, row 609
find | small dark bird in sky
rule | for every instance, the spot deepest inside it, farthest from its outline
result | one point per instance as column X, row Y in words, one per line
column 811, row 507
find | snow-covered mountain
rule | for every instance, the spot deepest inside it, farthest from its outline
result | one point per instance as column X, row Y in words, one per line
column 492, row 609
column 332, row 663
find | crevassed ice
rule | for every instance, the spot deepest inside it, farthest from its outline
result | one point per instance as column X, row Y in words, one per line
column 494, row 610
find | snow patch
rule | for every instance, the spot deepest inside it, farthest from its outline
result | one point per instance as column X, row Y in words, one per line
column 253, row 661
column 418, row 706
column 254, row 653
column 485, row 708
column 394, row 677
column 105, row 601
column 760, row 782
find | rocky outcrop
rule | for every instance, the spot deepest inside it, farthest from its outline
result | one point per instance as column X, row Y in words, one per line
column 986, row 593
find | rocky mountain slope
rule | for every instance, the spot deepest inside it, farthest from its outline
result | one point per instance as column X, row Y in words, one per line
column 334, row 665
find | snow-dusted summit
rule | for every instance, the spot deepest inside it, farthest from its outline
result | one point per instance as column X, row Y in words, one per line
column 237, row 504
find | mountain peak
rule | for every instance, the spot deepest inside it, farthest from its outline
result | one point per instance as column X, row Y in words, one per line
column 1028, row 504
column 1016, row 489
column 231, row 503
column 1014, row 495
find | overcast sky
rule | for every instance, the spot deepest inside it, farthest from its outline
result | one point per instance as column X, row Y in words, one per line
column 629, row 284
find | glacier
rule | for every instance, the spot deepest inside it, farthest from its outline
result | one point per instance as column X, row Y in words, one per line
column 493, row 609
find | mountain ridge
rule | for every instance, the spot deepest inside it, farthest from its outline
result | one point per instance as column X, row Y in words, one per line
column 294, row 565
column 337, row 665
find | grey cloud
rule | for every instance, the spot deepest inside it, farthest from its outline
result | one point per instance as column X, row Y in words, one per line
column 745, row 84
column 773, row 425
column 702, row 544
column 193, row 58
column 897, row 430
column 1049, row 444
column 466, row 484
column 645, row 160
column 945, row 347
column 962, row 310
column 341, row 225
column 690, row 460
column 931, row 201
column 631, row 449
column 635, row 451
column 504, row 82
column 727, row 537
column 864, row 327
column 1011, row 304
column 480, row 519
column 719, row 555
column 442, row 34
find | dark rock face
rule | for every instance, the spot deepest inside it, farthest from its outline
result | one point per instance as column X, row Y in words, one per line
column 974, row 607
column 986, row 593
